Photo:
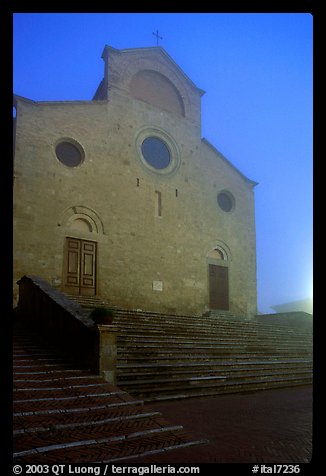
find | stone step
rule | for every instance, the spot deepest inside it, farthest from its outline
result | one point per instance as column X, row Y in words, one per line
column 179, row 335
column 58, row 421
column 69, row 415
column 64, row 392
column 222, row 347
column 77, row 380
column 174, row 360
column 188, row 325
column 190, row 341
column 137, row 316
column 110, row 450
column 166, row 384
column 157, row 373
column 227, row 383
column 131, row 318
column 105, row 432
column 231, row 388
column 157, row 331
column 211, row 364
column 205, row 338
column 160, row 354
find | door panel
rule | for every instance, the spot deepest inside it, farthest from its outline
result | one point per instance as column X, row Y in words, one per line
column 218, row 287
column 80, row 266
column 88, row 267
column 73, row 262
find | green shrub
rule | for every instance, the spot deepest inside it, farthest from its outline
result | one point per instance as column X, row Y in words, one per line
column 102, row 315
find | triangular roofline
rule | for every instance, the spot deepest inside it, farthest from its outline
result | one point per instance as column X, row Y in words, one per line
column 159, row 49
column 252, row 183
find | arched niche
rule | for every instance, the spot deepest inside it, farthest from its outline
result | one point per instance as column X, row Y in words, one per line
column 156, row 89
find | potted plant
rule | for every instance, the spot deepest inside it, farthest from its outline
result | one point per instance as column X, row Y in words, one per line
column 102, row 315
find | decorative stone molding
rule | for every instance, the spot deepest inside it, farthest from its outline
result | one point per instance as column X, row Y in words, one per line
column 82, row 213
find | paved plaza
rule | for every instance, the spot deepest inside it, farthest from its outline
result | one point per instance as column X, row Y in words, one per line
column 273, row 426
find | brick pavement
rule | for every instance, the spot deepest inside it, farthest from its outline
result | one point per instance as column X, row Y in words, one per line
column 273, row 426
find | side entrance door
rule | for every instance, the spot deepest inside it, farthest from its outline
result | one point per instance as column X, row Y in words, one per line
column 80, row 267
column 218, row 287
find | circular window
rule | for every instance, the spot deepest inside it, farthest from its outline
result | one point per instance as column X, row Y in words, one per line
column 156, row 153
column 69, row 154
column 226, row 201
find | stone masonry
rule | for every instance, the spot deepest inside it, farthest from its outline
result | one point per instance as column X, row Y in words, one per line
column 155, row 229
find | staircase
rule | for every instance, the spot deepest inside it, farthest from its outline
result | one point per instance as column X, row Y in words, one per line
column 65, row 414
column 164, row 357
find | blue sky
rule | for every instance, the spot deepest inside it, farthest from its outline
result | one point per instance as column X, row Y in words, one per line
column 257, row 71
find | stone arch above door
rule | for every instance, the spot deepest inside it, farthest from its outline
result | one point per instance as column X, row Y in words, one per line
column 218, row 250
column 82, row 219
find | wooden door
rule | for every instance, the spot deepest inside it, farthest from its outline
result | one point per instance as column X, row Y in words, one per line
column 80, row 267
column 218, row 287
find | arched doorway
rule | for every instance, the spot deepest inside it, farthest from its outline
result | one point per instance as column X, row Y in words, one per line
column 218, row 279
column 81, row 228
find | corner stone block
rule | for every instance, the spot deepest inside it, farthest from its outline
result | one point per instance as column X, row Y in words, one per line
column 106, row 350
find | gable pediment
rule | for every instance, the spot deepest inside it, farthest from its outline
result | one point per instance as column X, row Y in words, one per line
column 150, row 75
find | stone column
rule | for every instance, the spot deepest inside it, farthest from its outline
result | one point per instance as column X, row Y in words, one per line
column 105, row 355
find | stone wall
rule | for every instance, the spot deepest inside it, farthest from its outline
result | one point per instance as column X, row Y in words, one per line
column 145, row 260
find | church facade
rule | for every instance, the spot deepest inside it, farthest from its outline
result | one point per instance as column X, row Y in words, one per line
column 121, row 197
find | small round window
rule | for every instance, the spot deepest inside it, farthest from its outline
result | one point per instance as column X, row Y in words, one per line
column 156, row 153
column 69, row 153
column 226, row 201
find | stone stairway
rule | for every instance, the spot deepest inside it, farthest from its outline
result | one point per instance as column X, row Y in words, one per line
column 64, row 414
column 164, row 357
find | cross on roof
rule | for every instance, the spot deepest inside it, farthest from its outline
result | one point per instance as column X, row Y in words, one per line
column 157, row 37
